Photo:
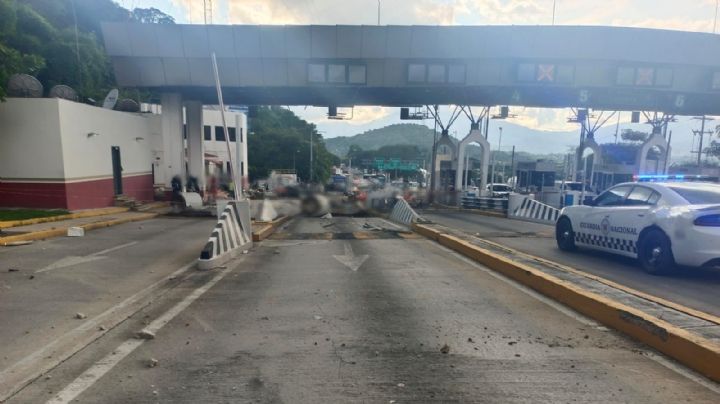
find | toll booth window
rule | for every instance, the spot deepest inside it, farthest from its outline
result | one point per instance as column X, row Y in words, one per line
column 336, row 73
column 436, row 74
column 316, row 73
column 232, row 134
column 625, row 76
column 416, row 73
column 207, row 133
column 663, row 77
column 526, row 72
column 219, row 134
column 716, row 81
column 357, row 74
column 456, row 74
column 565, row 74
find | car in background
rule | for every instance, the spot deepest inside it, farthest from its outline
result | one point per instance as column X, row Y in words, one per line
column 499, row 190
column 661, row 224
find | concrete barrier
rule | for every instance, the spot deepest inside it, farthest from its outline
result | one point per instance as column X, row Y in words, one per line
column 403, row 213
column 262, row 210
column 231, row 236
column 524, row 207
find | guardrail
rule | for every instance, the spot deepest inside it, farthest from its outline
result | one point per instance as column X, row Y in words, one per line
column 495, row 204
column 526, row 208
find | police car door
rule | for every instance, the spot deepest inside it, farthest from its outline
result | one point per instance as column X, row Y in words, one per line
column 594, row 228
column 621, row 226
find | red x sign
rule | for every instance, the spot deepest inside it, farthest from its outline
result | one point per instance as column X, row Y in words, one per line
column 546, row 73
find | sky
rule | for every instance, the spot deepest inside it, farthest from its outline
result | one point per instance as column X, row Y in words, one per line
column 686, row 15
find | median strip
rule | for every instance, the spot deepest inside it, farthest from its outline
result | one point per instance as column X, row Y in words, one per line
column 62, row 231
column 689, row 339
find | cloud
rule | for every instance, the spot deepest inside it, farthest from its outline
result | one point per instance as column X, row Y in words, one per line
column 361, row 115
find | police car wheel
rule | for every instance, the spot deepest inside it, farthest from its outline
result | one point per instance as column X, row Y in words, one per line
column 655, row 253
column 564, row 235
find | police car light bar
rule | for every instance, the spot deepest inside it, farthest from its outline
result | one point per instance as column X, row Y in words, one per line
column 676, row 177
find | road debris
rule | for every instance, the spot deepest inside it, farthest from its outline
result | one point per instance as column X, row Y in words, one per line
column 13, row 270
column 317, row 317
column 145, row 334
column 152, row 363
column 102, row 328
column 401, row 384
column 75, row 232
column 445, row 349
column 80, row 316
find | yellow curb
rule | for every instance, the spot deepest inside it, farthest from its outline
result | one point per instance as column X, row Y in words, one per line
column 61, row 231
column 692, row 350
column 663, row 302
column 265, row 229
column 76, row 215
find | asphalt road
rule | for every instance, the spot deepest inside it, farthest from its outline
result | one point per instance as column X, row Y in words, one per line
column 43, row 286
column 362, row 315
column 692, row 287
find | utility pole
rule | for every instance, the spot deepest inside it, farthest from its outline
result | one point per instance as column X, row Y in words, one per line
column 553, row 13
column 311, row 155
column 492, row 167
column 717, row 4
column 208, row 9
column 378, row 10
column 702, row 133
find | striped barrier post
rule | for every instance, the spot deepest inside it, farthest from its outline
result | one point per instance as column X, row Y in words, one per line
column 533, row 211
column 231, row 236
column 403, row 213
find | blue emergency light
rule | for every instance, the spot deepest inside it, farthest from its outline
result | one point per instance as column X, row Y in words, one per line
column 675, row 178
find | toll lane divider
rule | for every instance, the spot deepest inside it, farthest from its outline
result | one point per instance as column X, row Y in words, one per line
column 263, row 230
column 403, row 213
column 74, row 215
column 523, row 207
column 231, row 236
column 692, row 350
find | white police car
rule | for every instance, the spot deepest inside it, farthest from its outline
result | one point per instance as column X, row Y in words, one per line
column 659, row 223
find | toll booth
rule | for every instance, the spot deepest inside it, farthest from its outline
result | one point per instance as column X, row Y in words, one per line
column 534, row 176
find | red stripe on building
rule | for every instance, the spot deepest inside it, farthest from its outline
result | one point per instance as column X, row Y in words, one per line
column 74, row 195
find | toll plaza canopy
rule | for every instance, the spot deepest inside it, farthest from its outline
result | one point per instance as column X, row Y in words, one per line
column 545, row 66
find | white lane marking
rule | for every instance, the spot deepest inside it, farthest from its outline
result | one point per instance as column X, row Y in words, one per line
column 69, row 262
column 75, row 260
column 659, row 358
column 100, row 368
column 92, row 324
column 552, row 303
column 349, row 259
column 683, row 371
column 117, row 247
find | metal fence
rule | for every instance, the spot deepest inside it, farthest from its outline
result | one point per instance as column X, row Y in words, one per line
column 494, row 204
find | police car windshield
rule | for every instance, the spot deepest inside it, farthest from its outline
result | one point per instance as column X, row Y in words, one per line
column 698, row 194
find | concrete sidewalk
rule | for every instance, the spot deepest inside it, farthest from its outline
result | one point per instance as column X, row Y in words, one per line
column 40, row 231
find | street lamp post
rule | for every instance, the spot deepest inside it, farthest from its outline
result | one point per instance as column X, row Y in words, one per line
column 311, row 155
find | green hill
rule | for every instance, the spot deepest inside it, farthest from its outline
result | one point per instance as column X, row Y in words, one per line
column 397, row 134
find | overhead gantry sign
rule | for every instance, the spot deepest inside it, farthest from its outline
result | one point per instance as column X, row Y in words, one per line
column 603, row 68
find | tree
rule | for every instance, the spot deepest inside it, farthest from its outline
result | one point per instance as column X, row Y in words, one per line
column 278, row 137
column 630, row 135
column 13, row 60
column 151, row 16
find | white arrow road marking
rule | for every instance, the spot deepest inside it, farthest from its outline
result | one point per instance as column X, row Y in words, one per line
column 75, row 260
column 349, row 259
